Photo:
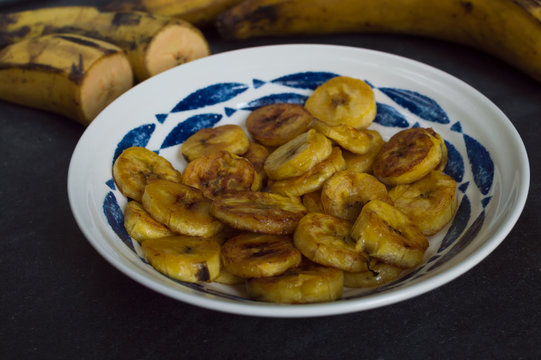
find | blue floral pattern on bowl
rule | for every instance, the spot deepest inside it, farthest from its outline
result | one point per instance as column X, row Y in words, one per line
column 396, row 109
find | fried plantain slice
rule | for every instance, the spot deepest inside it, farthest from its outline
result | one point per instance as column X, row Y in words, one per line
column 220, row 172
column 181, row 208
column 343, row 100
column 355, row 140
column 298, row 155
column 140, row 225
column 137, row 166
column 311, row 180
column 185, row 258
column 275, row 124
column 225, row 137
column 408, row 156
column 252, row 255
column 387, row 234
column 378, row 274
column 430, row 202
column 259, row 212
column 307, row 283
column 325, row 239
column 312, row 202
column 363, row 162
column 346, row 192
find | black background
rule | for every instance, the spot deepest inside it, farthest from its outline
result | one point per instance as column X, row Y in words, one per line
column 60, row 299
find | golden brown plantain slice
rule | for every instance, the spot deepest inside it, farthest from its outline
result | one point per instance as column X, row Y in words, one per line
column 140, row 225
column 185, row 258
column 312, row 202
column 363, row 162
column 311, row 180
column 252, row 255
column 220, row 172
column 227, row 278
column 430, row 202
column 181, row 208
column 386, row 234
column 276, row 124
column 343, row 100
column 357, row 141
column 325, row 240
column 257, row 154
column 378, row 274
column 259, row 212
column 346, row 192
column 444, row 154
column 408, row 156
column 307, row 283
column 135, row 167
column 225, row 137
column 298, row 155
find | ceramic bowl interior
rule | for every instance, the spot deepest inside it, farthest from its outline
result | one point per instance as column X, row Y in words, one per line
column 160, row 113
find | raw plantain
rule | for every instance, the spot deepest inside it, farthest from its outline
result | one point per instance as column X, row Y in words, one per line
column 430, row 202
column 201, row 13
column 325, row 240
column 181, row 208
column 276, row 124
column 152, row 43
column 307, row 283
column 259, row 212
column 252, row 255
column 508, row 29
column 72, row 75
column 136, row 167
column 185, row 258
column 386, row 234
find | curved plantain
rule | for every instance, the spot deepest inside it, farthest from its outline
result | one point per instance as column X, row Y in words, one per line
column 201, row 13
column 507, row 29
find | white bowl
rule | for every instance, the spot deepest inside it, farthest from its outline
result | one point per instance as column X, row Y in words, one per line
column 486, row 157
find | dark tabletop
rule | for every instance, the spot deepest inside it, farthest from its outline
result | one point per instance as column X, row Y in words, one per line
column 59, row 299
